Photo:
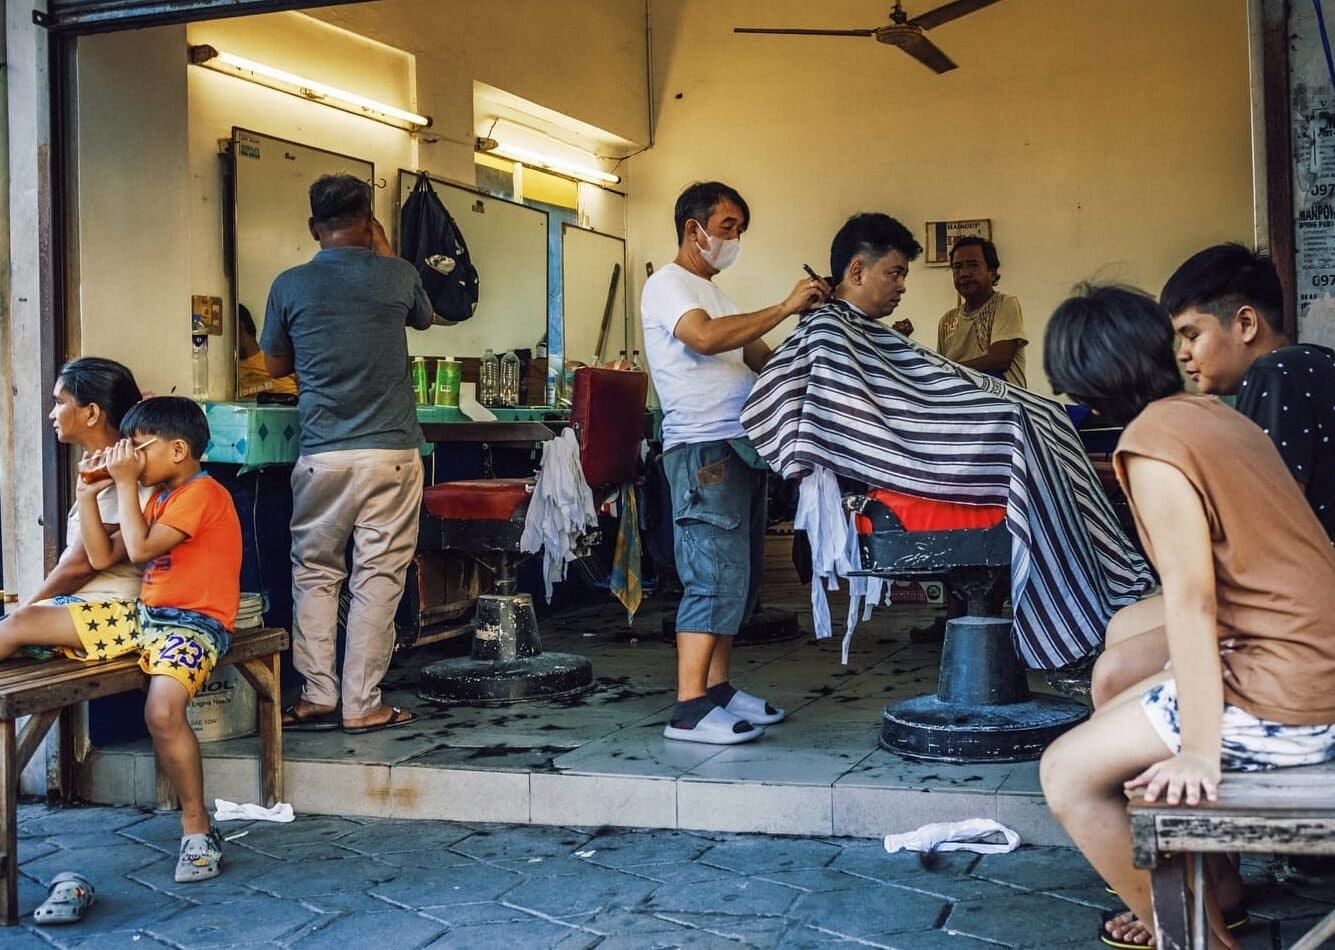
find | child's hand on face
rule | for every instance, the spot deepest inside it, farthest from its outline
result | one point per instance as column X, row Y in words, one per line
column 1183, row 777
column 123, row 462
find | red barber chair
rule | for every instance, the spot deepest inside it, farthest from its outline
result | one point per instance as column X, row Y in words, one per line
column 484, row 518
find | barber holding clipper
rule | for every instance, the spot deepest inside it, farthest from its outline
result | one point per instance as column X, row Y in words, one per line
column 703, row 356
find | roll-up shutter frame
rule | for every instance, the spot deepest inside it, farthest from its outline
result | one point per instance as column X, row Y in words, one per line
column 104, row 16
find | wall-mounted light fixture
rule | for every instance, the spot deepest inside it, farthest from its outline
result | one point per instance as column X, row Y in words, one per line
column 551, row 163
column 232, row 65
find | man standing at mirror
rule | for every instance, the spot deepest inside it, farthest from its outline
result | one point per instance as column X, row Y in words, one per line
column 703, row 356
column 338, row 321
column 986, row 331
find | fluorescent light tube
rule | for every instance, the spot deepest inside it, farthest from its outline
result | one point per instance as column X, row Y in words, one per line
column 283, row 81
column 559, row 165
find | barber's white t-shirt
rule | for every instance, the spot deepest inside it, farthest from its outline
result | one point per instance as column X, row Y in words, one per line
column 701, row 395
column 120, row 581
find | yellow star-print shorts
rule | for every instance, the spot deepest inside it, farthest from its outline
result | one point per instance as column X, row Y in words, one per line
column 108, row 629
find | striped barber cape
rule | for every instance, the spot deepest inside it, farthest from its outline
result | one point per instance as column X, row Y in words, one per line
column 849, row 394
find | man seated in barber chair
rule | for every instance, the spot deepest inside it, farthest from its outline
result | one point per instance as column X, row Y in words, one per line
column 945, row 448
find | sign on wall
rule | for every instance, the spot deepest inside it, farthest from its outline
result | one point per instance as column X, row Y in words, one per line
column 1312, row 104
column 941, row 235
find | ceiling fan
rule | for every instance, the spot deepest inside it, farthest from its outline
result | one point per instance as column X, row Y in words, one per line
column 901, row 31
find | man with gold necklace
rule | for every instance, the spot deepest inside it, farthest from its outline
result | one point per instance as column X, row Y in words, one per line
column 986, row 331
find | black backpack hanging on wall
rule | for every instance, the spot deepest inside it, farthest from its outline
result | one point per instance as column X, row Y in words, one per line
column 431, row 240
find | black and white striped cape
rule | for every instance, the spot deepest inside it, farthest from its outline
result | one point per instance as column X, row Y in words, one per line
column 849, row 394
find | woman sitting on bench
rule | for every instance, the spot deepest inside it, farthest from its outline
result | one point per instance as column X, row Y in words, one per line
column 90, row 397
column 1248, row 579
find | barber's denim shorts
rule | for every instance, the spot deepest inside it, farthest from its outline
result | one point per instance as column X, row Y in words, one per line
column 718, row 506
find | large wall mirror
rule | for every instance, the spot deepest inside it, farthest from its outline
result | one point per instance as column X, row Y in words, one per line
column 271, row 178
column 507, row 242
column 593, row 270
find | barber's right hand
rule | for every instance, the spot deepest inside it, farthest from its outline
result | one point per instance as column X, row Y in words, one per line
column 808, row 293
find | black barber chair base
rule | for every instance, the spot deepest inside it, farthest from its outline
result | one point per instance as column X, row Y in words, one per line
column 927, row 728
column 982, row 710
column 507, row 664
column 767, row 625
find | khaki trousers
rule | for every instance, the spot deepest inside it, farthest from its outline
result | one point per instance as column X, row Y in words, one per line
column 372, row 497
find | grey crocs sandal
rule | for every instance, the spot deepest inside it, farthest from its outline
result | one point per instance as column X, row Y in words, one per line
column 69, row 897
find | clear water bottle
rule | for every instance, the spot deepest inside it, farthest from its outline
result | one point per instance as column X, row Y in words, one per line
column 635, row 363
column 199, row 365
column 509, row 379
column 488, row 379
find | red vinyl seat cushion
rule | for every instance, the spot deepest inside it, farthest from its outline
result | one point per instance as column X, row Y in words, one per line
column 924, row 514
column 481, row 499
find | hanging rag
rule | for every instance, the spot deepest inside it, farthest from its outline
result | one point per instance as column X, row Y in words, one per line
column 972, row 834
column 835, row 554
column 560, row 511
column 625, row 580
column 223, row 810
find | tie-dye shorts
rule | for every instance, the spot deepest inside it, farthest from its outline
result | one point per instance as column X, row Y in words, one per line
column 1249, row 744
column 108, row 629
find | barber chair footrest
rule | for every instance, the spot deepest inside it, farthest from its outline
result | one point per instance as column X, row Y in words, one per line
column 471, row 682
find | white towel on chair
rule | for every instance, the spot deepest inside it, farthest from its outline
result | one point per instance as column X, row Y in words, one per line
column 561, row 509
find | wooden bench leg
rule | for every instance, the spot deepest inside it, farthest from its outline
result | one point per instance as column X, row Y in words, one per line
column 65, row 754
column 1168, row 887
column 9, row 820
column 263, row 673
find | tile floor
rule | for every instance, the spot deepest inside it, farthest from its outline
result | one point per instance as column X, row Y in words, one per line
column 600, row 758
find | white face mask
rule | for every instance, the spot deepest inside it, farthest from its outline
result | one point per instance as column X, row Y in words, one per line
column 721, row 253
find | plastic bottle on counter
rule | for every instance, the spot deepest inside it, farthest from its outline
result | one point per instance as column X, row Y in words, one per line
column 509, row 379
column 199, row 366
column 488, row 378
column 635, row 363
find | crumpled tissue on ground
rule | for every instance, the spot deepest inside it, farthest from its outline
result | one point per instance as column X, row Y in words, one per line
column 968, row 835
column 224, row 810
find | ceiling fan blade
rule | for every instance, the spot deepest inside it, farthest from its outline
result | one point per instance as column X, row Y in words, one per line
column 756, row 29
column 951, row 11
column 926, row 52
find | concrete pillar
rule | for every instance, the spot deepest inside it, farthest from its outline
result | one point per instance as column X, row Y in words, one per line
column 27, row 330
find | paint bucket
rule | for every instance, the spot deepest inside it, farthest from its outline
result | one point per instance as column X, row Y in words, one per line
column 226, row 707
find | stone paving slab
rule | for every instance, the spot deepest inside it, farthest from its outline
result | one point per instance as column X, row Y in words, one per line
column 353, row 883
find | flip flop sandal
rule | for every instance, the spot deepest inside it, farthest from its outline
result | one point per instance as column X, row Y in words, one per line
column 294, row 721
column 719, row 727
column 69, row 897
column 1235, row 918
column 397, row 717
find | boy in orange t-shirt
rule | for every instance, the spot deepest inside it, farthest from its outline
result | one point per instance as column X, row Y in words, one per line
column 189, row 539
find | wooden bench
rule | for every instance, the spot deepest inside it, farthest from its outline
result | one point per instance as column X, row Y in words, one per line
column 48, row 692
column 1286, row 811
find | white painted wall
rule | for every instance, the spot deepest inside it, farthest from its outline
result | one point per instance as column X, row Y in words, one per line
column 1103, row 140
column 134, row 237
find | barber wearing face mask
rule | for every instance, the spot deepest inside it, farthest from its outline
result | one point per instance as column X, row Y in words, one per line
column 703, row 355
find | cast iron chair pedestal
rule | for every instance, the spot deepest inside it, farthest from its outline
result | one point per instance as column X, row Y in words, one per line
column 982, row 710
column 507, row 664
